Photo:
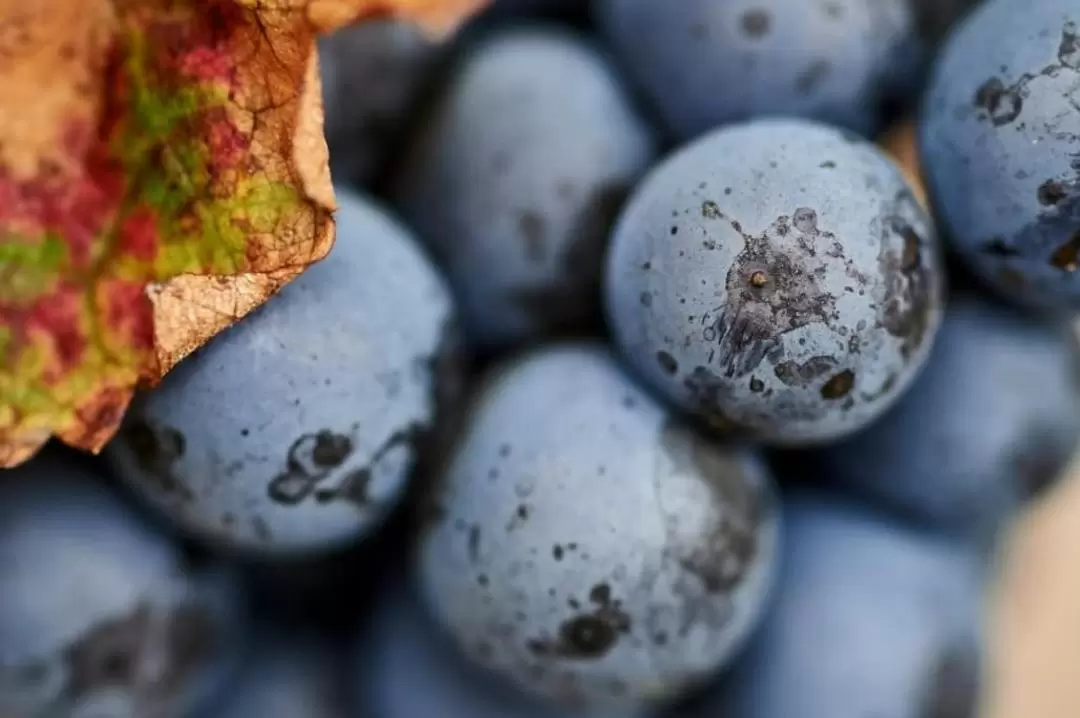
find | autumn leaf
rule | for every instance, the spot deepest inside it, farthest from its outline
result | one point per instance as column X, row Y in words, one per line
column 162, row 172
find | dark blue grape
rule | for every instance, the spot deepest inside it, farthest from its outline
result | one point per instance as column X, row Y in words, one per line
column 406, row 667
column 100, row 615
column 777, row 278
column 993, row 418
column 870, row 620
column 515, row 176
column 589, row 545
column 1000, row 143
column 372, row 74
column 704, row 63
column 295, row 430
column 289, row 675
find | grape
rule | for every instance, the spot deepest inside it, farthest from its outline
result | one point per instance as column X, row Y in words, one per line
column 515, row 176
column 99, row 614
column 590, row 546
column 778, row 278
column 703, row 63
column 290, row 675
column 371, row 74
column 406, row 668
column 870, row 619
column 1000, row 142
column 993, row 417
column 296, row 429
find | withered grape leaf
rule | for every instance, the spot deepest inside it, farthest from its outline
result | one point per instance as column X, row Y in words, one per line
column 162, row 172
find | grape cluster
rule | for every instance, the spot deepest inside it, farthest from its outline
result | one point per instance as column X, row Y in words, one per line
column 640, row 383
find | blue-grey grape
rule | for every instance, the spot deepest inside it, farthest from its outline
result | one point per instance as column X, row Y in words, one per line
column 296, row 429
column 515, row 175
column 778, row 278
column 372, row 74
column 994, row 417
column 100, row 615
column 999, row 137
column 703, row 63
column 588, row 544
column 289, row 674
column 406, row 667
column 870, row 619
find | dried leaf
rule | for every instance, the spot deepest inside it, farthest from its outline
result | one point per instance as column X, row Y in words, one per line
column 162, row 172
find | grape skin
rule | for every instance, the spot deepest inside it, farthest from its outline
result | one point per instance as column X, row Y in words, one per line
column 703, row 63
column 98, row 613
column 514, row 177
column 590, row 546
column 999, row 137
column 778, row 279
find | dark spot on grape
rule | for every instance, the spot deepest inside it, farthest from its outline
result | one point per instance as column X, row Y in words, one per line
column 1065, row 256
column 998, row 247
column 533, row 230
column 814, row 74
column 600, row 594
column 330, row 450
column 756, row 385
column 557, row 552
column 756, row 22
column 474, row 543
column 645, row 299
column 1069, row 49
column 911, row 292
column 800, row 375
column 309, row 460
column 570, row 302
column 262, row 530
column 1051, row 192
column 155, row 450
column 952, row 691
column 710, row 210
column 828, row 165
column 1002, row 104
column 120, row 653
column 834, row 10
column 730, row 544
column 504, row 450
column 749, row 325
column 522, row 511
column 839, row 385
column 667, row 363
column 805, row 220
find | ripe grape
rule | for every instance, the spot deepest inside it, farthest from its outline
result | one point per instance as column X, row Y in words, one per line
column 514, row 178
column 777, row 278
column 993, row 418
column 703, row 63
column 870, row 619
column 295, row 430
column 1000, row 143
column 99, row 613
column 406, row 667
column 589, row 545
column 289, row 675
